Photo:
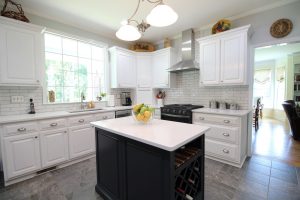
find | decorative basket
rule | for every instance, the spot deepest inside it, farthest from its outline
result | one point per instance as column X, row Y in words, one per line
column 18, row 15
column 221, row 26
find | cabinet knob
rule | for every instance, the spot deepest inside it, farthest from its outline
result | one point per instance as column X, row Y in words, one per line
column 226, row 134
column 53, row 124
column 225, row 151
column 65, row 131
column 201, row 118
column 227, row 121
column 221, row 81
column 22, row 129
column 81, row 120
column 36, row 137
column 37, row 81
column 104, row 117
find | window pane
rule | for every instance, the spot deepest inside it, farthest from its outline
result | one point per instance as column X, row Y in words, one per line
column 84, row 50
column 70, row 79
column 90, row 80
column 70, row 63
column 97, row 67
column 96, row 92
column 97, row 53
column 85, row 66
column 53, row 43
column 89, row 94
column 69, row 47
column 53, row 61
column 71, row 94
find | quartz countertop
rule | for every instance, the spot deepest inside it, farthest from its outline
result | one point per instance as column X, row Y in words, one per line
column 47, row 115
column 222, row 112
column 166, row 135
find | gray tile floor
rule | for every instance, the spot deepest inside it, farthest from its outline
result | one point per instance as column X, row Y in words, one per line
column 258, row 179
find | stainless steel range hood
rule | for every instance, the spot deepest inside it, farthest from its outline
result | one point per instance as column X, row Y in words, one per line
column 188, row 61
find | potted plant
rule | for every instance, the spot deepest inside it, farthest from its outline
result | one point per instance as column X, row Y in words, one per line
column 160, row 98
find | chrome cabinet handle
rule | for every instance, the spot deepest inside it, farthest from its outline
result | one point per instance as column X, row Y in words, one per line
column 226, row 134
column 53, row 124
column 225, row 151
column 104, row 117
column 227, row 121
column 81, row 120
column 21, row 129
column 201, row 118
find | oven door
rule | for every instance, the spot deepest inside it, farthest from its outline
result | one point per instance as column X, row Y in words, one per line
column 176, row 118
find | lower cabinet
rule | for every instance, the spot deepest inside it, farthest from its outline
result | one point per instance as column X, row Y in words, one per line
column 54, row 147
column 81, row 140
column 22, row 154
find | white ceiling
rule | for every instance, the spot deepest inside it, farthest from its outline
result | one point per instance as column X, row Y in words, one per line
column 276, row 52
column 104, row 16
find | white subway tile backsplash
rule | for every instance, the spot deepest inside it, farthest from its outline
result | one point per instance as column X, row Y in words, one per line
column 188, row 91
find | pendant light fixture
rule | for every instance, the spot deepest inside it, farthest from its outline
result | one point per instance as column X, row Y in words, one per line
column 160, row 16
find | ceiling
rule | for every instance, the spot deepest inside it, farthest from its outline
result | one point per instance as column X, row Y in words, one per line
column 276, row 52
column 104, row 16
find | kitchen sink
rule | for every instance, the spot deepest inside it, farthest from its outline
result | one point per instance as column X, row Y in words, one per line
column 86, row 110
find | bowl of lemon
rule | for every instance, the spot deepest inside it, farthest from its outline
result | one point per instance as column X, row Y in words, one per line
column 142, row 113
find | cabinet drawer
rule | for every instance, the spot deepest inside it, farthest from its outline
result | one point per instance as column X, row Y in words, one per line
column 220, row 119
column 20, row 128
column 52, row 124
column 104, row 116
column 221, row 150
column 224, row 133
column 80, row 120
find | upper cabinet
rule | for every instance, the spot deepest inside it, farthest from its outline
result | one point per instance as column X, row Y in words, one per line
column 144, row 70
column 21, row 57
column 223, row 58
column 162, row 61
column 123, row 68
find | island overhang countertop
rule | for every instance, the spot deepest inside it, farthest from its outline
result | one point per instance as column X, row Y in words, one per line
column 166, row 135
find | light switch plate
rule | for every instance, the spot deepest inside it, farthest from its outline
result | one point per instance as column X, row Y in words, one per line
column 17, row 99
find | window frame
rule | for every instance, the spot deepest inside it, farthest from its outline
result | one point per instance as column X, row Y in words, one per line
column 79, row 39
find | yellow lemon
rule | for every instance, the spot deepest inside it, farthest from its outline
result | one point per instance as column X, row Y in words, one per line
column 147, row 114
column 140, row 117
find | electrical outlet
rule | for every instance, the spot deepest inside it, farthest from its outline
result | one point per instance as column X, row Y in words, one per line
column 17, row 99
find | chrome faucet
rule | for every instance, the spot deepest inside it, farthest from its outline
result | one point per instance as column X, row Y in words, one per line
column 82, row 99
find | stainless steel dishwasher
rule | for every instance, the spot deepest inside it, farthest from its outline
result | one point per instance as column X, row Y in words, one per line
column 123, row 113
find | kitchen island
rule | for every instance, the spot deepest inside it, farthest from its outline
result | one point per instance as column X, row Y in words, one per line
column 162, row 160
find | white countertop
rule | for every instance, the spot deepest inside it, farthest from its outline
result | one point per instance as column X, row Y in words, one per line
column 48, row 115
column 222, row 112
column 166, row 135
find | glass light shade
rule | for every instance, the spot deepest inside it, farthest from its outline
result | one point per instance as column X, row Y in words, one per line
column 162, row 15
column 128, row 33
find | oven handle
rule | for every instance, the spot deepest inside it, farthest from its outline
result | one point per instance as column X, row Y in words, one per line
column 177, row 116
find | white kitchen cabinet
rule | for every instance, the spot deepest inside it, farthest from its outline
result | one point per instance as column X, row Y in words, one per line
column 123, row 68
column 81, row 140
column 144, row 70
column 233, row 58
column 162, row 60
column 226, row 140
column 210, row 62
column 144, row 96
column 54, row 146
column 223, row 58
column 21, row 53
column 22, row 154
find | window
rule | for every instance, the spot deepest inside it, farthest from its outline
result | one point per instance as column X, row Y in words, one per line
column 74, row 67
column 263, row 86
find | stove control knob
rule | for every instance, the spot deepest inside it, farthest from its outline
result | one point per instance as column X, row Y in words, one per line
column 183, row 112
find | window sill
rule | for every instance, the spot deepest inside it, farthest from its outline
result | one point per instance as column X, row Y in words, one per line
column 70, row 103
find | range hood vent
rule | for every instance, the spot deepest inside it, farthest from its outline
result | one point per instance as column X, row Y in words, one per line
column 188, row 61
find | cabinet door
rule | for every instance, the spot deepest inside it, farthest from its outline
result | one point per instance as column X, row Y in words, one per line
column 144, row 96
column 110, row 165
column 126, row 70
column 233, row 63
column 54, row 147
column 81, row 141
column 209, row 62
column 144, row 75
column 22, row 154
column 21, row 54
column 161, row 62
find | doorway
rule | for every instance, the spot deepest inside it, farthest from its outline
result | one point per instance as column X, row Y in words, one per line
column 276, row 68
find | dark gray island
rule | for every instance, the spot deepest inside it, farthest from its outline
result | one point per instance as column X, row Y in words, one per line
column 162, row 160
